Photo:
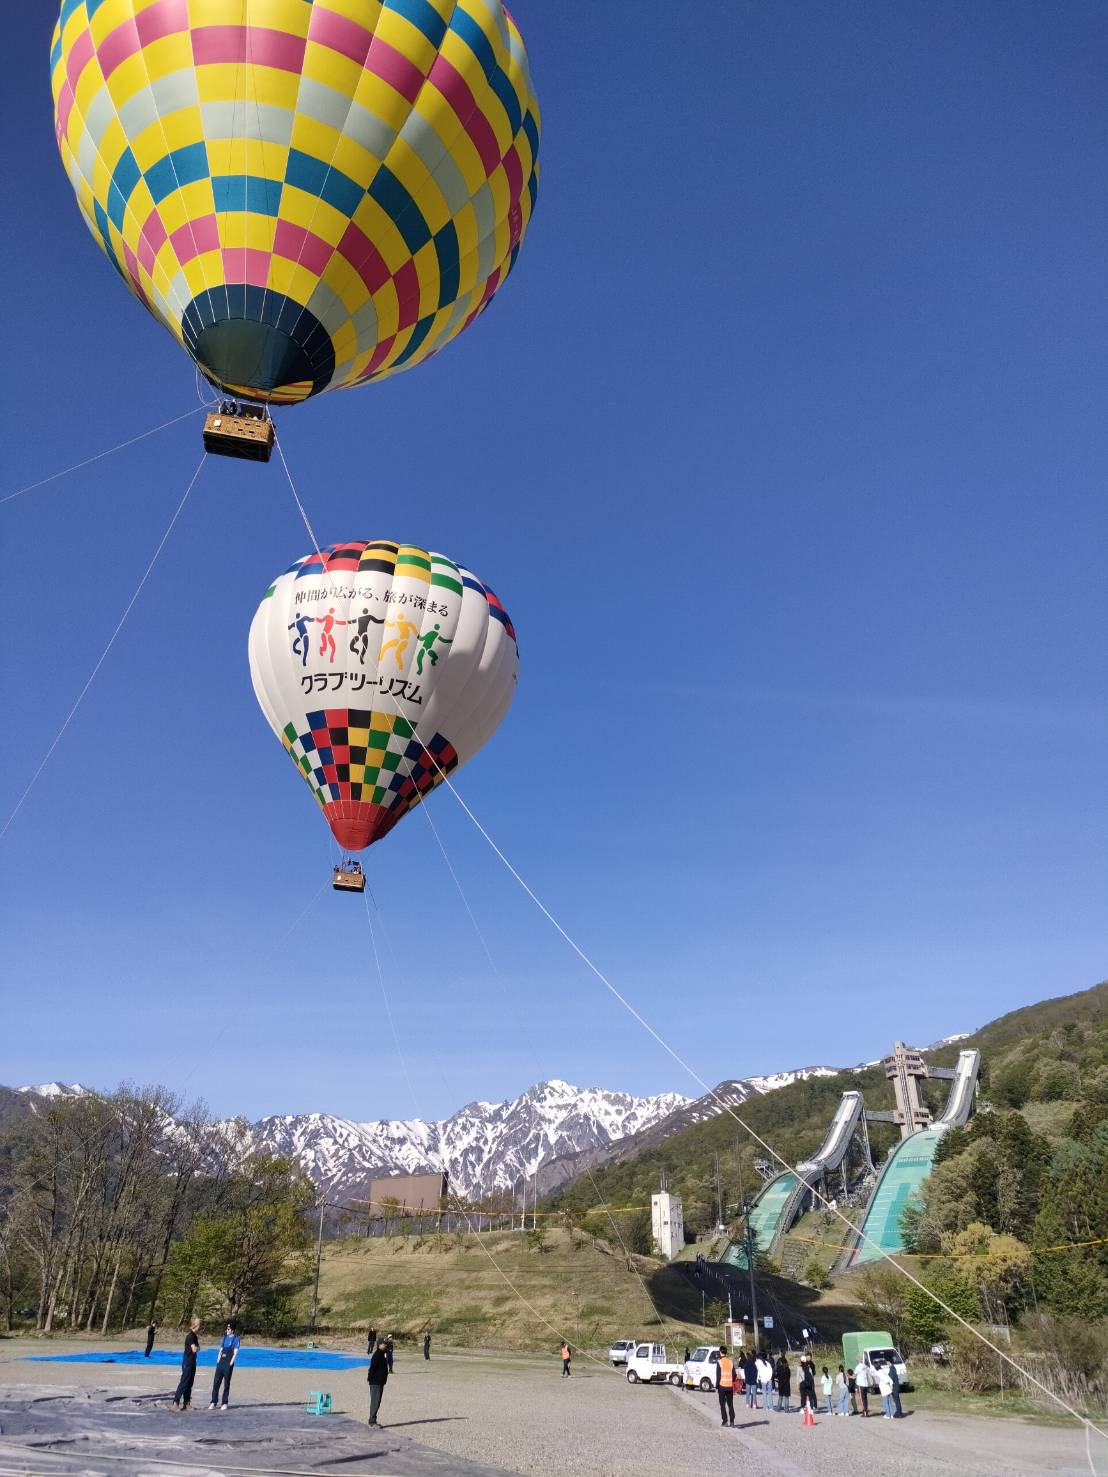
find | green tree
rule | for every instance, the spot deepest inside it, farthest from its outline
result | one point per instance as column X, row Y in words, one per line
column 926, row 1322
column 256, row 1254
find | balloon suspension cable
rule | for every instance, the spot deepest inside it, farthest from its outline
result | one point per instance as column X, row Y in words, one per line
column 426, row 809
column 708, row 1089
column 111, row 641
column 458, row 1210
column 88, row 461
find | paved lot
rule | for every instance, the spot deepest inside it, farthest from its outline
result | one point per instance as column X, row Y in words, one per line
column 518, row 1415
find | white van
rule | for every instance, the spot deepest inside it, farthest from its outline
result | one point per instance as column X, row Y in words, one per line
column 620, row 1351
column 700, row 1368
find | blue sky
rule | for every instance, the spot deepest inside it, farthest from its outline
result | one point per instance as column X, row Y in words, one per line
column 785, row 447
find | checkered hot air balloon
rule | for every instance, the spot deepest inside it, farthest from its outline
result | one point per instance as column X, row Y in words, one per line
column 381, row 667
column 309, row 194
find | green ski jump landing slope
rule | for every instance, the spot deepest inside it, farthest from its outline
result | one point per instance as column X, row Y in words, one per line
column 905, row 1170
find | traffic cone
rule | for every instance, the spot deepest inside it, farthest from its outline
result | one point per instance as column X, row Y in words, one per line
column 809, row 1418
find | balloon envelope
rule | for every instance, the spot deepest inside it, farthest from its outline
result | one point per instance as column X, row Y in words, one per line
column 381, row 667
column 307, row 195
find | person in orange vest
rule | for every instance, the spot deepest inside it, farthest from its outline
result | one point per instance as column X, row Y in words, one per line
column 567, row 1355
column 725, row 1388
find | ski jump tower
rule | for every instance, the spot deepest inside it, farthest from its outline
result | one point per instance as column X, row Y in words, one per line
column 906, row 1068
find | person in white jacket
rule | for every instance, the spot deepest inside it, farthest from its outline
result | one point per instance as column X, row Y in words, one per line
column 765, row 1381
column 885, row 1390
column 863, row 1381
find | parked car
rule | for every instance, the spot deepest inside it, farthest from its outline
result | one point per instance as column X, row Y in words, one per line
column 620, row 1351
column 875, row 1349
column 700, row 1368
column 648, row 1364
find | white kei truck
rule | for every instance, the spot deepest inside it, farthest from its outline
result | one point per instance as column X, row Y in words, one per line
column 648, row 1364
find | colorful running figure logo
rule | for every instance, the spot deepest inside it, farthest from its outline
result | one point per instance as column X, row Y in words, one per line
column 300, row 640
column 326, row 640
column 359, row 642
column 427, row 648
column 404, row 626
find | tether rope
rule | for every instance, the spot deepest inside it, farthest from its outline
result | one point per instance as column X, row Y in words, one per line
column 111, row 641
column 88, row 461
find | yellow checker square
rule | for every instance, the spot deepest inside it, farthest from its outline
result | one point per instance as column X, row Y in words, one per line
column 375, row 758
column 357, row 366
column 239, row 230
column 202, row 271
column 397, row 31
column 294, row 281
column 431, row 204
column 220, row 82
column 270, row 86
column 387, row 308
column 382, row 100
column 188, row 204
column 380, row 723
column 465, row 224
column 314, row 138
column 426, row 263
column 347, row 286
column 301, row 208
column 345, row 342
column 89, row 84
column 365, row 13
column 379, row 226
column 355, row 161
column 463, row 151
column 149, row 146
column 213, row 12
column 183, row 127
column 107, row 16
column 279, row 15
column 332, row 68
column 251, row 156
column 127, row 79
column 359, row 737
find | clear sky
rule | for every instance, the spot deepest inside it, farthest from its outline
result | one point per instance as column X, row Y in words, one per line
column 785, row 447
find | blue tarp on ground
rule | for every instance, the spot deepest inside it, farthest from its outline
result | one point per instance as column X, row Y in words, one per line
column 249, row 1358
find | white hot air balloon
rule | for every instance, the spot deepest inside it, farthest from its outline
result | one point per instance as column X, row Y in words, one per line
column 381, row 667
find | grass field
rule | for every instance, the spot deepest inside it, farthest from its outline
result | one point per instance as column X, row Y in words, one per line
column 456, row 1285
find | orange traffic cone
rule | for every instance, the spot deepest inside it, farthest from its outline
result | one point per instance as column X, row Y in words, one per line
column 809, row 1418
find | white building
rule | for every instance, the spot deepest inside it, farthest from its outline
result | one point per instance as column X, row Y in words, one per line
column 667, row 1220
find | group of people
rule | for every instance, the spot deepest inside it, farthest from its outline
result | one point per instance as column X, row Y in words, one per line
column 844, row 1393
column 229, row 1346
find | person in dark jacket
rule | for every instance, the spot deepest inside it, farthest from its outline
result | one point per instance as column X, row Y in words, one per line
column 151, row 1330
column 377, row 1375
column 806, row 1387
column 898, row 1409
column 784, row 1383
column 371, row 1342
column 390, row 1351
column 427, row 1345
column 182, row 1396
column 750, row 1379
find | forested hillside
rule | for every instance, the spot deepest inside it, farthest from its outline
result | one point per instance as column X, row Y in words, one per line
column 1051, row 1056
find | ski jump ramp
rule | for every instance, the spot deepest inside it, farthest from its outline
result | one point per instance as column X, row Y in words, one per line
column 907, row 1167
column 781, row 1199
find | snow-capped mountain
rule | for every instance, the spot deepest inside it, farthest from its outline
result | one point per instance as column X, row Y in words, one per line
column 57, row 1089
column 485, row 1146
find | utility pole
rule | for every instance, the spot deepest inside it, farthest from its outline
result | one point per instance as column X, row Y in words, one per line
column 719, row 1194
column 318, row 1258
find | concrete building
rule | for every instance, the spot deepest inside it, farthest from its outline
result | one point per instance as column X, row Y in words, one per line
column 906, row 1068
column 414, row 1192
column 667, row 1220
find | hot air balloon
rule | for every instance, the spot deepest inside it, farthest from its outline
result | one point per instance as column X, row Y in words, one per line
column 381, row 667
column 309, row 196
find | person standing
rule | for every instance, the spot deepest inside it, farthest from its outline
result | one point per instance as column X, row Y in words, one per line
column 841, row 1392
column 750, row 1380
column 806, row 1387
column 567, row 1355
column 852, row 1390
column 390, row 1350
column 863, row 1380
column 182, row 1396
column 765, row 1381
column 371, row 1342
column 898, row 1409
column 224, row 1366
column 885, row 1390
column 427, row 1345
column 378, row 1376
column 725, row 1388
column 825, row 1385
column 151, row 1330
column 784, row 1384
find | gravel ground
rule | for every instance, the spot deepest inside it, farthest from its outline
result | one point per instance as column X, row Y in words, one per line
column 517, row 1413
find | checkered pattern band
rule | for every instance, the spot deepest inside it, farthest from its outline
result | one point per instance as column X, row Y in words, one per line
column 309, row 194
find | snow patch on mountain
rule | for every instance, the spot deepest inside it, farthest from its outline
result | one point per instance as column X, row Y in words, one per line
column 57, row 1089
